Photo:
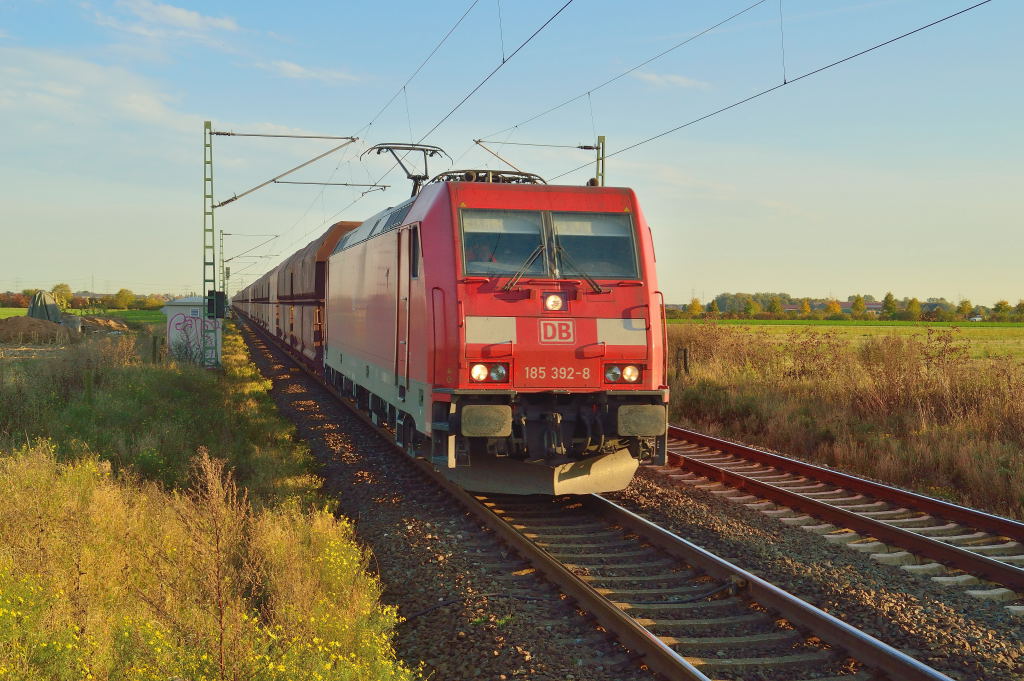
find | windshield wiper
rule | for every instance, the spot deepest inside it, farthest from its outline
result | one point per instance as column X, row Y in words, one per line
column 522, row 270
column 572, row 263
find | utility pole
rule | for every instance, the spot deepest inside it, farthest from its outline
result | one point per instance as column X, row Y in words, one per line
column 208, row 317
column 600, row 161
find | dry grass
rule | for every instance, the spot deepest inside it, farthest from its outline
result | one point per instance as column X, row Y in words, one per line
column 99, row 398
column 127, row 551
column 912, row 411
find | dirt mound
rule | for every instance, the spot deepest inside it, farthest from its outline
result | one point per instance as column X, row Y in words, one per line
column 31, row 330
column 103, row 324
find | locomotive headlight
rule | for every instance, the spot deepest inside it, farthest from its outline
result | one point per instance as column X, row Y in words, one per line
column 478, row 372
column 499, row 373
column 553, row 302
column 612, row 373
column 630, row 373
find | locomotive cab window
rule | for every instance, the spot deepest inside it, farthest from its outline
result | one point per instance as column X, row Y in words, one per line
column 547, row 244
column 500, row 242
column 600, row 245
column 414, row 252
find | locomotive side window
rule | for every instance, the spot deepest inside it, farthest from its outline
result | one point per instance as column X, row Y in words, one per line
column 500, row 242
column 597, row 244
column 414, row 252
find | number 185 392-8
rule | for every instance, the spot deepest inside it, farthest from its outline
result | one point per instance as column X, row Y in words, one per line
column 535, row 373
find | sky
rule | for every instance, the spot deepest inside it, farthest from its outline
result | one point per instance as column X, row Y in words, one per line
column 899, row 170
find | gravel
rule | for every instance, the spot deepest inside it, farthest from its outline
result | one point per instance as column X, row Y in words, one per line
column 941, row 626
column 474, row 610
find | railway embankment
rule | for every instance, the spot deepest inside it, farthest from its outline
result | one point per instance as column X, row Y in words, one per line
column 160, row 521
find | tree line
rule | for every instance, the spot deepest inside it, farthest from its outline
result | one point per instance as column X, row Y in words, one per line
column 66, row 299
column 857, row 306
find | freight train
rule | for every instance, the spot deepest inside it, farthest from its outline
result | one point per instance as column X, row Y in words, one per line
column 510, row 331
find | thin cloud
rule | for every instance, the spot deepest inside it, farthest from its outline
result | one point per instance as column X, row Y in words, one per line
column 670, row 80
column 54, row 89
column 161, row 23
column 287, row 69
column 159, row 14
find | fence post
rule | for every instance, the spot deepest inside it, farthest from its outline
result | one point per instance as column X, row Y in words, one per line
column 686, row 361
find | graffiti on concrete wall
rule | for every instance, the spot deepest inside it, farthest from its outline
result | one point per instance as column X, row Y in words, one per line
column 185, row 336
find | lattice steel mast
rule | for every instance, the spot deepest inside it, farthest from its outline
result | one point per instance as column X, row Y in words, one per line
column 208, row 317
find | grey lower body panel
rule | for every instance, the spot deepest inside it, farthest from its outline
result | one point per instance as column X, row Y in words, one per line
column 593, row 475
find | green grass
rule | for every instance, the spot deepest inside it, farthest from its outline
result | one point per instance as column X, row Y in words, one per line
column 986, row 340
column 129, row 316
column 843, row 322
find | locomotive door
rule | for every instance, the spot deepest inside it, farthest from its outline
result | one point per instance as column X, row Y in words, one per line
column 406, row 267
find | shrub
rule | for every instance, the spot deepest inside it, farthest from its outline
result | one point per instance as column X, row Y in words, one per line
column 131, row 582
column 127, row 551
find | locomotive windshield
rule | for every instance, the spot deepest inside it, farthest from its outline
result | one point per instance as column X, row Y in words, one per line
column 502, row 242
column 499, row 242
column 597, row 244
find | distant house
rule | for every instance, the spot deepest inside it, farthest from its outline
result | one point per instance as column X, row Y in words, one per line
column 976, row 318
column 935, row 307
column 869, row 306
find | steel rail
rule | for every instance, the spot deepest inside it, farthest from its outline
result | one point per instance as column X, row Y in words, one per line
column 658, row 656
column 865, row 648
column 654, row 652
column 939, row 551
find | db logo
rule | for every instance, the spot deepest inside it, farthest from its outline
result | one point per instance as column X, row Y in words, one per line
column 557, row 331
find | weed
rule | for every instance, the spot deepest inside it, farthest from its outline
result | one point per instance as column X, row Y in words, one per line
column 162, row 523
column 910, row 410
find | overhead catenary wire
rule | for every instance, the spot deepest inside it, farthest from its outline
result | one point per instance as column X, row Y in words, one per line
column 466, row 98
column 779, row 86
column 226, row 133
column 782, row 42
column 501, row 32
column 334, row 184
column 250, row 250
column 532, row 144
column 377, row 115
column 349, row 141
column 496, row 69
column 497, row 156
column 630, row 70
column 422, row 64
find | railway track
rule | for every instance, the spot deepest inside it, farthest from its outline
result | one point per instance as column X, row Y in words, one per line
column 684, row 612
column 951, row 544
column 687, row 613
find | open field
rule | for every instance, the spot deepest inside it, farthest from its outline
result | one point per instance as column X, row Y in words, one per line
column 129, row 316
column 985, row 339
column 838, row 322
column 921, row 410
column 161, row 521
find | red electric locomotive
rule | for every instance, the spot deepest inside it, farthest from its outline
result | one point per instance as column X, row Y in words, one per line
column 511, row 331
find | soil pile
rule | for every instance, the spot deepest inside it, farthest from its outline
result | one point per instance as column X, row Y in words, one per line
column 94, row 324
column 31, row 330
